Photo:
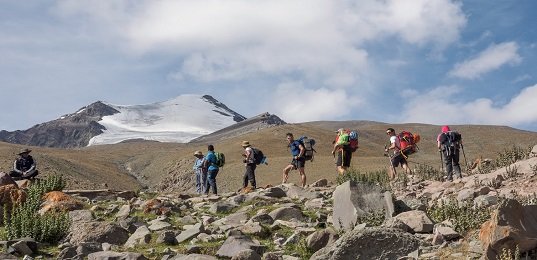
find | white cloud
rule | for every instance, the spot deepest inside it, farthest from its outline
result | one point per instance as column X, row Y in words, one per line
column 440, row 106
column 488, row 60
column 296, row 103
column 318, row 39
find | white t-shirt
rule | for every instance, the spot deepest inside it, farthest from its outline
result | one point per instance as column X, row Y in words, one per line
column 394, row 139
column 249, row 159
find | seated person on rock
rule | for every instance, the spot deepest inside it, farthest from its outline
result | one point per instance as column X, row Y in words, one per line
column 24, row 167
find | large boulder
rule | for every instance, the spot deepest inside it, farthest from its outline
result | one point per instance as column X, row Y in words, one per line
column 370, row 243
column 510, row 225
column 353, row 199
column 94, row 231
column 417, row 220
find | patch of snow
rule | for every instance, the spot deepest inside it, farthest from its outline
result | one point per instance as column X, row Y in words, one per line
column 177, row 120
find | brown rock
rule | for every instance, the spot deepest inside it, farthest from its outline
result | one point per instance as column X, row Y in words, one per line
column 5, row 179
column 511, row 225
column 58, row 201
column 11, row 194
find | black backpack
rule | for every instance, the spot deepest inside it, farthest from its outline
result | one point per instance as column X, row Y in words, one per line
column 451, row 141
column 259, row 158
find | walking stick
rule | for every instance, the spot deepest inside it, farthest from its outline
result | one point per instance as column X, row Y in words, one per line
column 391, row 164
column 441, row 160
column 464, row 155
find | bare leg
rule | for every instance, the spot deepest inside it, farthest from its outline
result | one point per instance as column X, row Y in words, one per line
column 286, row 171
column 303, row 176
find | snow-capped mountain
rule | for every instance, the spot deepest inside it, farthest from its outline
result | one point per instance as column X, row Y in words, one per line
column 177, row 120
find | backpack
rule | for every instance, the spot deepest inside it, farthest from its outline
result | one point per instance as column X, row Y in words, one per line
column 452, row 141
column 259, row 158
column 220, row 159
column 407, row 142
column 308, row 146
column 348, row 138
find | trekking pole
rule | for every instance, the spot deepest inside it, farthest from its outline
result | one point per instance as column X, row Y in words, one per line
column 464, row 155
column 390, row 161
column 441, row 160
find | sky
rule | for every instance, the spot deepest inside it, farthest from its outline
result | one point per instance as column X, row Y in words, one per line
column 413, row 61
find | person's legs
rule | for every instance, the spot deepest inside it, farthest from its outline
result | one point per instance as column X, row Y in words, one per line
column 286, row 171
column 251, row 176
column 198, row 182
column 204, row 183
column 339, row 163
column 456, row 165
column 448, row 159
column 213, row 177
column 15, row 175
column 245, row 177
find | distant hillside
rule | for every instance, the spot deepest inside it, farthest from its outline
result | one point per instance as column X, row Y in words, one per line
column 168, row 166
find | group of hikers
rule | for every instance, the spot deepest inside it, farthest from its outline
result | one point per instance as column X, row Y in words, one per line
column 346, row 142
column 207, row 166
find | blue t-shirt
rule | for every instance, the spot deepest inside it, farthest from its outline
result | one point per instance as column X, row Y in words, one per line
column 295, row 148
column 211, row 158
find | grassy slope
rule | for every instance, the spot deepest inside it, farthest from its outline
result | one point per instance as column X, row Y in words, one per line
column 92, row 167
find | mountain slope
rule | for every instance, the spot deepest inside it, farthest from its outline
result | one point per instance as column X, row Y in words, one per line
column 177, row 120
column 72, row 130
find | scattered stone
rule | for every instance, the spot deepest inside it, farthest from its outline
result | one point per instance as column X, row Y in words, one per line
column 247, row 254
column 107, row 255
column 321, row 238
column 190, row 232
column 142, row 235
column 417, row 220
column 234, row 244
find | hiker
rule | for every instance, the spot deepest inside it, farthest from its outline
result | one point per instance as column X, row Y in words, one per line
column 24, row 167
column 299, row 160
column 201, row 172
column 449, row 143
column 249, row 163
column 212, row 170
column 398, row 157
column 344, row 153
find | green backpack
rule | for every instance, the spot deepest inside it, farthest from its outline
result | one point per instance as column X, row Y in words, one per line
column 220, row 159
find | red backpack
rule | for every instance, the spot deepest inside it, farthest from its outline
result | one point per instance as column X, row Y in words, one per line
column 407, row 142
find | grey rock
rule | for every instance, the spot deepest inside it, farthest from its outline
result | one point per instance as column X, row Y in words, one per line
column 417, row 220
column 102, row 232
column 167, row 237
column 142, row 235
column 370, row 243
column 193, row 257
column 157, row 225
column 320, row 183
column 287, row 213
column 221, row 207
column 111, row 255
column 263, row 218
column 247, row 254
column 123, row 212
column 352, row 200
column 80, row 215
column 189, row 233
column 321, row 238
column 234, row 244
column 274, row 192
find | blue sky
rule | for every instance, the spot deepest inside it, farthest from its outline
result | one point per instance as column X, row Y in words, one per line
column 439, row 62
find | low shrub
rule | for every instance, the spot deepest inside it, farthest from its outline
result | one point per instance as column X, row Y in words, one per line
column 464, row 216
column 24, row 221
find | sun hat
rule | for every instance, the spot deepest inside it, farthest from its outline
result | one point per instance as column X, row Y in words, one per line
column 25, row 150
column 245, row 144
column 198, row 153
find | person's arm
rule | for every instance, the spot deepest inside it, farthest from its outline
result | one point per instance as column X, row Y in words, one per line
column 15, row 167
column 302, row 151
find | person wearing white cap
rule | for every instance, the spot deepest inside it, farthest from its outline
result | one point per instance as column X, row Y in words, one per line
column 201, row 172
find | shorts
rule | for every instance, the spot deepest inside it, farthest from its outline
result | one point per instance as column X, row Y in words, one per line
column 344, row 157
column 398, row 159
column 298, row 163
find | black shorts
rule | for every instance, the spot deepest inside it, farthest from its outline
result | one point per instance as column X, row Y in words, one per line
column 344, row 157
column 299, row 163
column 398, row 159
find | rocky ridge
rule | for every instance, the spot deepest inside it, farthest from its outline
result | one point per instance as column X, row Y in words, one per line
column 322, row 221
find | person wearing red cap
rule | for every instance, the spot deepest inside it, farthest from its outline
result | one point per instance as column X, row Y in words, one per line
column 449, row 143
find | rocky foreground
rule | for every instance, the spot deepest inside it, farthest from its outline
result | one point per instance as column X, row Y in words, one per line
column 323, row 221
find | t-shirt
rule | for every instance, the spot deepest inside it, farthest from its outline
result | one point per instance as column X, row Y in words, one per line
column 250, row 158
column 211, row 158
column 295, row 148
column 394, row 139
